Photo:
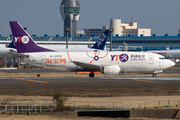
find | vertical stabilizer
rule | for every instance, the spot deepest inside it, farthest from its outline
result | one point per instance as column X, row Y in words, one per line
column 101, row 42
column 23, row 41
column 11, row 45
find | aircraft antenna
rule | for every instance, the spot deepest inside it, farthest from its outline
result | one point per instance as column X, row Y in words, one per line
column 131, row 19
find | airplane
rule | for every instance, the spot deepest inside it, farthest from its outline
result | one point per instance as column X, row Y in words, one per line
column 107, row 62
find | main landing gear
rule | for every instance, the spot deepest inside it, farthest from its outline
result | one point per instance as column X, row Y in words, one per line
column 91, row 74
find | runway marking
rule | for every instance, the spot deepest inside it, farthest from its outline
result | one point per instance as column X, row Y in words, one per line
column 144, row 80
column 31, row 80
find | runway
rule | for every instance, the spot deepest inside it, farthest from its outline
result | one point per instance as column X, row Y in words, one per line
column 150, row 78
column 93, row 87
column 59, row 80
column 82, row 86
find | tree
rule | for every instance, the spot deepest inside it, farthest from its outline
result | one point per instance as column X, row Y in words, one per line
column 59, row 100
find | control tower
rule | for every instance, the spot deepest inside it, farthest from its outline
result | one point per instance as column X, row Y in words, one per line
column 70, row 11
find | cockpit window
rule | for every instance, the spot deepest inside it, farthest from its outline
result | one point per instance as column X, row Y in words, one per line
column 162, row 58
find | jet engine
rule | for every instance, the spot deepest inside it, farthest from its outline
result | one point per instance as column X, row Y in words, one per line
column 111, row 70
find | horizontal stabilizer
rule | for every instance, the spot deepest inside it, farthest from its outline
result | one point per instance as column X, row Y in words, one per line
column 15, row 54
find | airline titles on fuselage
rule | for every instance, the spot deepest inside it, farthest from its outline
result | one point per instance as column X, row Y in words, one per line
column 55, row 55
column 55, row 61
column 137, row 57
column 125, row 57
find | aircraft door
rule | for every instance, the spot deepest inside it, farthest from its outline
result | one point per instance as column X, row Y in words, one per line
column 43, row 60
column 151, row 59
column 161, row 64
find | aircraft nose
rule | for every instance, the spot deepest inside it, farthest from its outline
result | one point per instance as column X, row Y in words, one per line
column 171, row 63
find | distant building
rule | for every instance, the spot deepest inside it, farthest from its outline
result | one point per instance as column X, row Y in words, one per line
column 120, row 29
column 80, row 33
column 127, row 29
column 116, row 25
column 94, row 32
column 130, row 29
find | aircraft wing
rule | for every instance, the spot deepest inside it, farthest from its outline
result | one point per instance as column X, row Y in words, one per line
column 87, row 66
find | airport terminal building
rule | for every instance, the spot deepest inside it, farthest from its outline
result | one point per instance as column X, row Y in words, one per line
column 139, row 42
column 120, row 29
column 148, row 42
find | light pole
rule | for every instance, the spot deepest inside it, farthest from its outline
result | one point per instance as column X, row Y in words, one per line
column 111, row 31
column 67, row 29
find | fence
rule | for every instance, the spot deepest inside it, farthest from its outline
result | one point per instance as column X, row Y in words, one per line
column 125, row 105
column 30, row 105
column 40, row 105
column 28, row 108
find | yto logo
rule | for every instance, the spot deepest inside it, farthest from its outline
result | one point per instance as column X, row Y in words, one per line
column 122, row 57
column 24, row 39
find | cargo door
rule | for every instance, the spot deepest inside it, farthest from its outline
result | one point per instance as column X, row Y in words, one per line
column 151, row 59
column 43, row 61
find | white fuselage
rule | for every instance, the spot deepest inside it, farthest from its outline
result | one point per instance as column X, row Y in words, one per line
column 128, row 61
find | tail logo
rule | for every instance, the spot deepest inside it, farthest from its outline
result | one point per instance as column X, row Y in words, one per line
column 101, row 39
column 24, row 39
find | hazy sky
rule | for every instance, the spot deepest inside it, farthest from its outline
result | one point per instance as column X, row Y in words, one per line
column 43, row 16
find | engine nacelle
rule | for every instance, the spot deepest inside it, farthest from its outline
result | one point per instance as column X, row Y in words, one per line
column 112, row 70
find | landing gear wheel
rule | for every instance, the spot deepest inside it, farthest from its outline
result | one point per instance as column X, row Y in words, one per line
column 154, row 75
column 91, row 74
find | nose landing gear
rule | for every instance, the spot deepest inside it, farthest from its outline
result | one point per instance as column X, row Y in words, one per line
column 154, row 75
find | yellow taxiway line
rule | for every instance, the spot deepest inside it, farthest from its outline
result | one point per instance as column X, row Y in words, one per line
column 31, row 80
column 144, row 80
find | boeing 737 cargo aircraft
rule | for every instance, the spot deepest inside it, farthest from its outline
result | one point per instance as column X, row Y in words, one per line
column 107, row 62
